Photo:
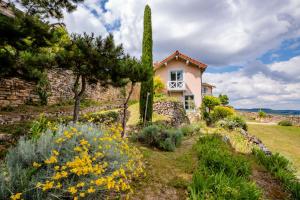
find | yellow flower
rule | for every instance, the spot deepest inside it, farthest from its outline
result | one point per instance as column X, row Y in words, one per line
column 58, row 185
column 75, row 198
column 72, row 190
column 77, row 149
column 51, row 160
column 39, row 184
column 83, row 142
column 48, row 185
column 36, row 165
column 82, row 194
column 56, row 167
column 59, row 140
column 91, row 190
column 80, row 184
column 16, row 196
column 55, row 152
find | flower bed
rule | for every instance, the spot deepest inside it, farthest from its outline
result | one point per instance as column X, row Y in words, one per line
column 76, row 161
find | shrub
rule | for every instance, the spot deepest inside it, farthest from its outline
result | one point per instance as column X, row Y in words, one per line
column 165, row 139
column 221, row 174
column 280, row 167
column 106, row 117
column 233, row 122
column 75, row 161
column 40, row 125
column 190, row 129
column 261, row 114
column 285, row 123
column 221, row 112
column 210, row 102
column 158, row 85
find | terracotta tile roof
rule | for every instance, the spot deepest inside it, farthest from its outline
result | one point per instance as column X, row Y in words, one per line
column 182, row 56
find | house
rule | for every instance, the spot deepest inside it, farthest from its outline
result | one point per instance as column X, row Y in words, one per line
column 182, row 77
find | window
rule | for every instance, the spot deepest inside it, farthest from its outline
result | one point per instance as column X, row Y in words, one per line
column 204, row 90
column 176, row 75
column 189, row 103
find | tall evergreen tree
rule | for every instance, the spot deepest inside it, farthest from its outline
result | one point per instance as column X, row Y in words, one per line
column 147, row 85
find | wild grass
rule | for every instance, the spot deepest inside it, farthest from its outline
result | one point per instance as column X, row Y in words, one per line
column 280, row 167
column 282, row 139
column 221, row 173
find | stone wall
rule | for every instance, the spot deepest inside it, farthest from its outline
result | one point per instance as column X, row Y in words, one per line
column 174, row 110
column 15, row 91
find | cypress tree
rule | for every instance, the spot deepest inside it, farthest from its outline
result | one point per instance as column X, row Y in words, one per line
column 147, row 85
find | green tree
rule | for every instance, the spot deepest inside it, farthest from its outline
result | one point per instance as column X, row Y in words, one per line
column 92, row 60
column 147, row 60
column 224, row 99
column 27, row 49
column 209, row 102
column 49, row 8
column 132, row 71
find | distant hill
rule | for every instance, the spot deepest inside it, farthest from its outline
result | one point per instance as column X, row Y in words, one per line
column 270, row 111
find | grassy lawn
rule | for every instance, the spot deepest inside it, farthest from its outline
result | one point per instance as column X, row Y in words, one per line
column 168, row 173
column 282, row 139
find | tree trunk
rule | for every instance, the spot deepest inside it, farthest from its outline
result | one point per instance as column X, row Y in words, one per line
column 78, row 96
column 125, row 109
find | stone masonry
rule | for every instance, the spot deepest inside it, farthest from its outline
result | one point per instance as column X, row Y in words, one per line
column 15, row 91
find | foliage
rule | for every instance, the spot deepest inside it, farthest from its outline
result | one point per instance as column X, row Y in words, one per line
column 224, row 99
column 209, row 102
column 280, row 167
column 221, row 112
column 165, row 139
column 147, row 60
column 233, row 122
column 158, row 85
column 261, row 114
column 221, row 174
column 49, row 8
column 285, row 123
column 92, row 59
column 76, row 161
column 103, row 118
column 133, row 71
column 40, row 125
column 190, row 129
column 27, row 46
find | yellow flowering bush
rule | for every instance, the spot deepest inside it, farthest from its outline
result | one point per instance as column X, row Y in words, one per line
column 78, row 161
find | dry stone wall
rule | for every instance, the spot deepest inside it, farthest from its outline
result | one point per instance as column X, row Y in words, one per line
column 15, row 91
column 172, row 109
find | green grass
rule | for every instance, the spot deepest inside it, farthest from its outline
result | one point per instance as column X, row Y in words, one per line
column 168, row 173
column 282, row 139
column 134, row 117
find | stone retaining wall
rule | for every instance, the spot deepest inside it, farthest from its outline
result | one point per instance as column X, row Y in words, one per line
column 174, row 110
column 15, row 91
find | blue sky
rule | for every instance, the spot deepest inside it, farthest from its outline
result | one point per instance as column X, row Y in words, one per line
column 252, row 47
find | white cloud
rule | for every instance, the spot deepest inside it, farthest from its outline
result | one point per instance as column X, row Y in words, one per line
column 219, row 33
column 83, row 20
column 290, row 67
column 260, row 89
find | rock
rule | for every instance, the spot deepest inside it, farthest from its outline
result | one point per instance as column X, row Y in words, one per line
column 243, row 132
column 172, row 109
column 5, row 137
column 226, row 139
